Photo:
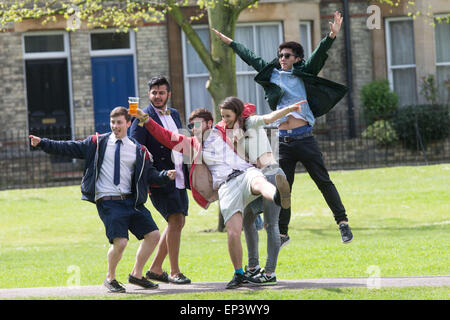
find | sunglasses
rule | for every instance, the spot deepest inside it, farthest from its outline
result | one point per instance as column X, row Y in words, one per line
column 285, row 55
column 193, row 125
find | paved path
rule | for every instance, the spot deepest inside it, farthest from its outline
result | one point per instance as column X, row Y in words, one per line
column 100, row 290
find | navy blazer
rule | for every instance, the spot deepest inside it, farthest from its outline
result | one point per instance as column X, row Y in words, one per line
column 92, row 149
column 162, row 156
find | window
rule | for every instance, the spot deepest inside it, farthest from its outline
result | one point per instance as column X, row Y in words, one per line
column 305, row 38
column 110, row 40
column 442, row 38
column 261, row 38
column 401, row 59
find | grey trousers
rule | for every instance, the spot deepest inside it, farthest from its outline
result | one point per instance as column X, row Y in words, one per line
column 271, row 216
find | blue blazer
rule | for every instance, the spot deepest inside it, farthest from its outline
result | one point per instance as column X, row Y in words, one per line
column 162, row 156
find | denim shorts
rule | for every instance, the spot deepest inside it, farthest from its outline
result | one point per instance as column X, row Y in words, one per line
column 119, row 216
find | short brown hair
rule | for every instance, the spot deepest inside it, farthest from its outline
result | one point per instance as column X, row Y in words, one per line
column 202, row 113
column 120, row 111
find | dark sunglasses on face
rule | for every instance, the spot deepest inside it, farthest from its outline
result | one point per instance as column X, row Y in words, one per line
column 194, row 124
column 285, row 55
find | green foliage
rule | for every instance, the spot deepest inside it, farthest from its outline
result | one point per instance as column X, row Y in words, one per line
column 431, row 121
column 382, row 131
column 429, row 89
column 378, row 101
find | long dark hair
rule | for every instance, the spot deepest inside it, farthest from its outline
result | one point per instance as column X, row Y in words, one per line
column 237, row 106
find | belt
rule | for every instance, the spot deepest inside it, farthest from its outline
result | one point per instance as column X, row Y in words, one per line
column 234, row 174
column 288, row 139
column 123, row 197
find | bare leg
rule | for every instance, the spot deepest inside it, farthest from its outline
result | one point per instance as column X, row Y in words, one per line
column 173, row 238
column 234, row 230
column 146, row 248
column 114, row 255
column 161, row 254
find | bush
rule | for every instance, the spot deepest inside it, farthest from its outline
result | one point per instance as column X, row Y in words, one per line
column 378, row 101
column 382, row 131
column 433, row 123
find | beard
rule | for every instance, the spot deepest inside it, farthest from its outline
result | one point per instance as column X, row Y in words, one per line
column 164, row 103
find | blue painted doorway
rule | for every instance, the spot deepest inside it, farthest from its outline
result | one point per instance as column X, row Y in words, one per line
column 112, row 84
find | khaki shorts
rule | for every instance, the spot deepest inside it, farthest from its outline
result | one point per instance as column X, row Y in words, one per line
column 236, row 194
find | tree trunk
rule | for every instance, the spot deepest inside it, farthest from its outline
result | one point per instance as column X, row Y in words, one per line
column 222, row 77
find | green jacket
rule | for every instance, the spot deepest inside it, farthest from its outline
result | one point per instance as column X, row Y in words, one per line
column 322, row 94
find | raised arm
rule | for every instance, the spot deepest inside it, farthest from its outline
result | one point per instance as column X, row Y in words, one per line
column 317, row 60
column 278, row 114
column 244, row 53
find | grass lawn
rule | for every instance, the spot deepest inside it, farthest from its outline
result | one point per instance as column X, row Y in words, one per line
column 399, row 216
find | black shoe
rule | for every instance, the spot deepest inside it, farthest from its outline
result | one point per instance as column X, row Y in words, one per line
column 158, row 277
column 179, row 279
column 144, row 283
column 283, row 195
column 248, row 273
column 346, row 233
column 114, row 286
column 284, row 241
column 237, row 281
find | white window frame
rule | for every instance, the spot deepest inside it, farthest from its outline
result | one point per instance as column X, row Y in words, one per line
column 118, row 52
column 390, row 67
column 51, row 55
column 186, row 77
column 440, row 64
column 308, row 25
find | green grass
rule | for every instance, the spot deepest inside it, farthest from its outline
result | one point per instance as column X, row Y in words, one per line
column 399, row 216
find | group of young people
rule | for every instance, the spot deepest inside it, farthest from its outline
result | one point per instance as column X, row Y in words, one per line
column 231, row 161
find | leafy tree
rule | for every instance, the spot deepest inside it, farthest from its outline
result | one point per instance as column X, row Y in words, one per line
column 125, row 14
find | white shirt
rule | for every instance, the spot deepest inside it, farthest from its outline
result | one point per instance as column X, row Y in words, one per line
column 104, row 185
column 177, row 157
column 221, row 158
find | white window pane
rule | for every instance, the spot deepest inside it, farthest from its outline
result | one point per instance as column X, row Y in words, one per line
column 267, row 41
column 194, row 64
column 246, row 88
column 305, row 39
column 402, row 42
column 443, row 80
column 244, row 35
column 200, row 97
column 44, row 43
column 442, row 36
column 405, row 85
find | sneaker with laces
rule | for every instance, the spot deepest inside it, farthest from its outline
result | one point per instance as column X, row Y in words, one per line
column 284, row 240
column 114, row 286
column 249, row 272
column 263, row 279
column 237, row 281
column 346, row 233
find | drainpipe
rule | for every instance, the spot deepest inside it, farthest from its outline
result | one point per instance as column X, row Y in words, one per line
column 348, row 56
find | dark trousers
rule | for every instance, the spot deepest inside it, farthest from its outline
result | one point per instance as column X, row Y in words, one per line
column 308, row 153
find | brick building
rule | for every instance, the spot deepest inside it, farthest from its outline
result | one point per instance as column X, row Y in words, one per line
column 52, row 77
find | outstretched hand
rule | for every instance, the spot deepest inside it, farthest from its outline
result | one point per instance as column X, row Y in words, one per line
column 172, row 174
column 34, row 140
column 335, row 26
column 297, row 106
column 222, row 37
column 140, row 115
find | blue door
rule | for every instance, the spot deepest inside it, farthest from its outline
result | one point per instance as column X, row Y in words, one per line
column 112, row 84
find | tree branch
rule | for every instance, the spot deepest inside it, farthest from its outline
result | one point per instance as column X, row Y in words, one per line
column 204, row 54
